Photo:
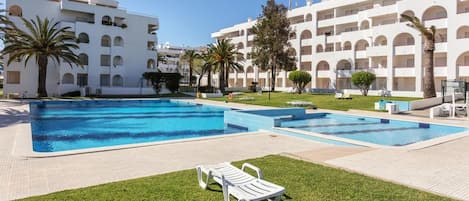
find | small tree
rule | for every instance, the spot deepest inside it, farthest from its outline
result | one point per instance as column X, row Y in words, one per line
column 363, row 80
column 172, row 81
column 155, row 80
column 300, row 79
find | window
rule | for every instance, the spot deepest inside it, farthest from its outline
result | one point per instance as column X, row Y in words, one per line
column 106, row 41
column 118, row 61
column 118, row 41
column 68, row 79
column 105, row 80
column 15, row 11
column 13, row 77
column 151, row 64
column 410, row 63
column 107, row 20
column 105, row 60
column 117, row 81
column 82, row 79
column 83, row 59
column 83, row 38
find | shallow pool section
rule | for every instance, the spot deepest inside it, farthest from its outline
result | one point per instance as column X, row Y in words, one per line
column 73, row 125
column 371, row 130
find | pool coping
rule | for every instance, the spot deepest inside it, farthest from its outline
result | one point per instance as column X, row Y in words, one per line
column 413, row 146
column 23, row 143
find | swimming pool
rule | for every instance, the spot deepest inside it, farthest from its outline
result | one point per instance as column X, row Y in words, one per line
column 371, row 130
column 72, row 125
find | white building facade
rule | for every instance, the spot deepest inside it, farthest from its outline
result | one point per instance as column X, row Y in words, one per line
column 116, row 48
column 333, row 39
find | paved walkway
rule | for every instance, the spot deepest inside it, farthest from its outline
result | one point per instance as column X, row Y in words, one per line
column 442, row 169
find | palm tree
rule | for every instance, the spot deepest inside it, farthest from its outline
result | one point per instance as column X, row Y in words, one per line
column 428, row 34
column 42, row 40
column 224, row 56
column 207, row 67
column 190, row 56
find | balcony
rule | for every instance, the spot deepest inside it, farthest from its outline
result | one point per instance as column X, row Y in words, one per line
column 376, row 51
column 441, row 47
column 404, row 50
column 464, row 71
column 440, row 71
column 344, row 73
column 379, row 72
column 106, row 3
column 76, row 5
column 438, row 23
column 361, row 54
column 324, row 74
column 404, row 72
column 384, row 10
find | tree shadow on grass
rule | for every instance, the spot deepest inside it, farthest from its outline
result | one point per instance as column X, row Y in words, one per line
column 9, row 117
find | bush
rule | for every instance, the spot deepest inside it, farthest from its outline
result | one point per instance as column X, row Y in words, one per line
column 300, row 79
column 363, row 80
column 172, row 81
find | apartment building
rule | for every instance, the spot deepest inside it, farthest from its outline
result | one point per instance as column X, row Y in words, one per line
column 333, row 39
column 171, row 59
column 116, row 48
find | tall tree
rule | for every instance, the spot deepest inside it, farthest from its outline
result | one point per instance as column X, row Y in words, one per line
column 41, row 40
column 429, row 36
column 206, row 68
column 271, row 46
column 223, row 54
column 190, row 56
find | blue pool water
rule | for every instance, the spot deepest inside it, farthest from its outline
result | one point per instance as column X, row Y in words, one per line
column 372, row 130
column 63, row 126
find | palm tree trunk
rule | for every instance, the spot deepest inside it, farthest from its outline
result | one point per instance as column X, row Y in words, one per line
column 227, row 77
column 221, row 77
column 209, row 78
column 42, row 76
column 190, row 73
column 428, row 65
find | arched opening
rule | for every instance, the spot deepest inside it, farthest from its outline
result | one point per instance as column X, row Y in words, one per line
column 117, row 81
column 106, row 20
column 381, row 41
column 292, row 36
column 323, row 66
column 361, row 45
column 119, row 41
column 15, row 11
column 151, row 64
column 240, row 46
column 83, row 38
column 434, row 13
column 322, row 76
column 463, row 66
column 309, row 18
column 249, row 69
column 404, row 39
column 68, row 79
column 408, row 13
column 106, row 41
column 306, row 34
column 344, row 65
column 319, row 48
column 347, row 45
column 463, row 32
column 118, row 61
column 365, row 25
column 83, row 59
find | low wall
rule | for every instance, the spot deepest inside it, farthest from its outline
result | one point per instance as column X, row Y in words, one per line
column 131, row 91
column 430, row 102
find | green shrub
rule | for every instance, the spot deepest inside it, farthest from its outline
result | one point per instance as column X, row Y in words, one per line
column 363, row 80
column 172, row 81
column 300, row 79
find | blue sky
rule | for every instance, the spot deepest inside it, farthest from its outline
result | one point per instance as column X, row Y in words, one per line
column 190, row 22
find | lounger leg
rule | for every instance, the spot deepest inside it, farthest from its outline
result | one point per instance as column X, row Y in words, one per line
column 202, row 184
column 226, row 194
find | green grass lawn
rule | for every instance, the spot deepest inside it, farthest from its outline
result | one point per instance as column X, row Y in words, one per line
column 320, row 101
column 303, row 181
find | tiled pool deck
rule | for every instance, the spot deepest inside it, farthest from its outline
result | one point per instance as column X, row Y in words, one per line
column 442, row 169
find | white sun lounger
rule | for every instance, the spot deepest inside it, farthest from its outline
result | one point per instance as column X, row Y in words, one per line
column 238, row 183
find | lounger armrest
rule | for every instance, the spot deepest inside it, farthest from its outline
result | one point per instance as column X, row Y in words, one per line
column 252, row 167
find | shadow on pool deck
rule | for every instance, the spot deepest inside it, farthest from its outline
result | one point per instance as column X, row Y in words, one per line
column 11, row 116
